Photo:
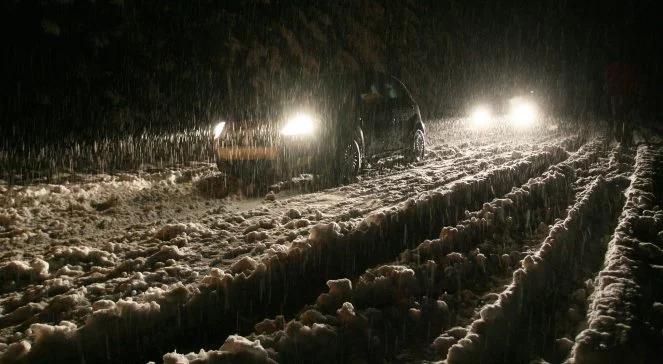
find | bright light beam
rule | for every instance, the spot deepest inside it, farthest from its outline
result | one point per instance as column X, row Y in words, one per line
column 300, row 124
column 481, row 116
column 523, row 113
column 218, row 129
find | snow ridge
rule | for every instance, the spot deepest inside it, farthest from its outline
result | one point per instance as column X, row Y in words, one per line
column 618, row 330
column 507, row 328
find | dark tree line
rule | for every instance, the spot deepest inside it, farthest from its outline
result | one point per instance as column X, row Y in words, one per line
column 87, row 68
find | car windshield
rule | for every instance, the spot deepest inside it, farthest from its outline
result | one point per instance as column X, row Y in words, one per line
column 331, row 97
column 335, row 97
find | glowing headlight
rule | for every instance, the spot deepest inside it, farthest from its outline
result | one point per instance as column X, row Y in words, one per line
column 300, row 124
column 481, row 116
column 218, row 129
column 523, row 113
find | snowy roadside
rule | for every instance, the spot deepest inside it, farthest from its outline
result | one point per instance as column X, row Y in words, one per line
column 116, row 242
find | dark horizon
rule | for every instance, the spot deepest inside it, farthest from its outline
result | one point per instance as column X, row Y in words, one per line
column 88, row 69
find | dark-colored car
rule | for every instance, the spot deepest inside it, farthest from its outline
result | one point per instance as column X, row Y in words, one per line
column 332, row 129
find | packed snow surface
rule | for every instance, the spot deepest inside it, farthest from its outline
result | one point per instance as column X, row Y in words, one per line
column 408, row 261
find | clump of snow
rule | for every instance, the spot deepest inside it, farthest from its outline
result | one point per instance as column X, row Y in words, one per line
column 311, row 316
column 84, row 254
column 244, row 264
column 293, row 214
column 239, row 344
column 268, row 326
column 103, row 305
column 442, row 343
column 22, row 313
column 324, row 232
column 15, row 352
column 9, row 218
column 106, row 204
column 339, row 291
column 165, row 252
column 17, row 273
column 270, row 196
column 65, row 330
column 236, row 349
column 346, row 313
column 171, row 231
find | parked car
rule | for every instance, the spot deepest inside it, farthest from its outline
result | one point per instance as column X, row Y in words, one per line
column 332, row 129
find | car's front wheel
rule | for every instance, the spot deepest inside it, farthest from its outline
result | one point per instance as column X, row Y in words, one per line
column 351, row 160
column 417, row 149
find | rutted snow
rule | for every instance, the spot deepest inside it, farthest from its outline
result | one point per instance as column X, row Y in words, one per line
column 354, row 316
column 150, row 242
column 621, row 319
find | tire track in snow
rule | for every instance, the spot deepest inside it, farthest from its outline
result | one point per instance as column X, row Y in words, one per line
column 400, row 303
column 89, row 282
column 625, row 314
column 542, row 298
column 180, row 314
column 348, row 204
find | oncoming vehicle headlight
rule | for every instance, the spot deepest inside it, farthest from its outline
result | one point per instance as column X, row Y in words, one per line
column 481, row 116
column 523, row 112
column 218, row 129
column 300, row 124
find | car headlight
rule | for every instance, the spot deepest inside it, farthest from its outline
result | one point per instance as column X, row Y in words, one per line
column 300, row 124
column 481, row 116
column 218, row 129
column 523, row 113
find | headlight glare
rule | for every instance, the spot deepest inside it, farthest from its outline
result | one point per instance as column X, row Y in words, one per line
column 523, row 113
column 481, row 116
column 300, row 124
column 218, row 129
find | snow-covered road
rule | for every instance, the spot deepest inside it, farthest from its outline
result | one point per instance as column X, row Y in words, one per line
column 130, row 266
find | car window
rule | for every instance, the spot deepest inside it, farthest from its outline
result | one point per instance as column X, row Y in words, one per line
column 393, row 90
column 372, row 93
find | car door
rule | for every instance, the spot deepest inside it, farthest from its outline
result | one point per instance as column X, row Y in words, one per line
column 376, row 118
column 400, row 111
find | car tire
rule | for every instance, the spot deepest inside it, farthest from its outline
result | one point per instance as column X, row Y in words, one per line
column 350, row 161
column 416, row 151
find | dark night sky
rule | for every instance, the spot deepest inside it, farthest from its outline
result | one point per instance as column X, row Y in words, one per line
column 78, row 67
